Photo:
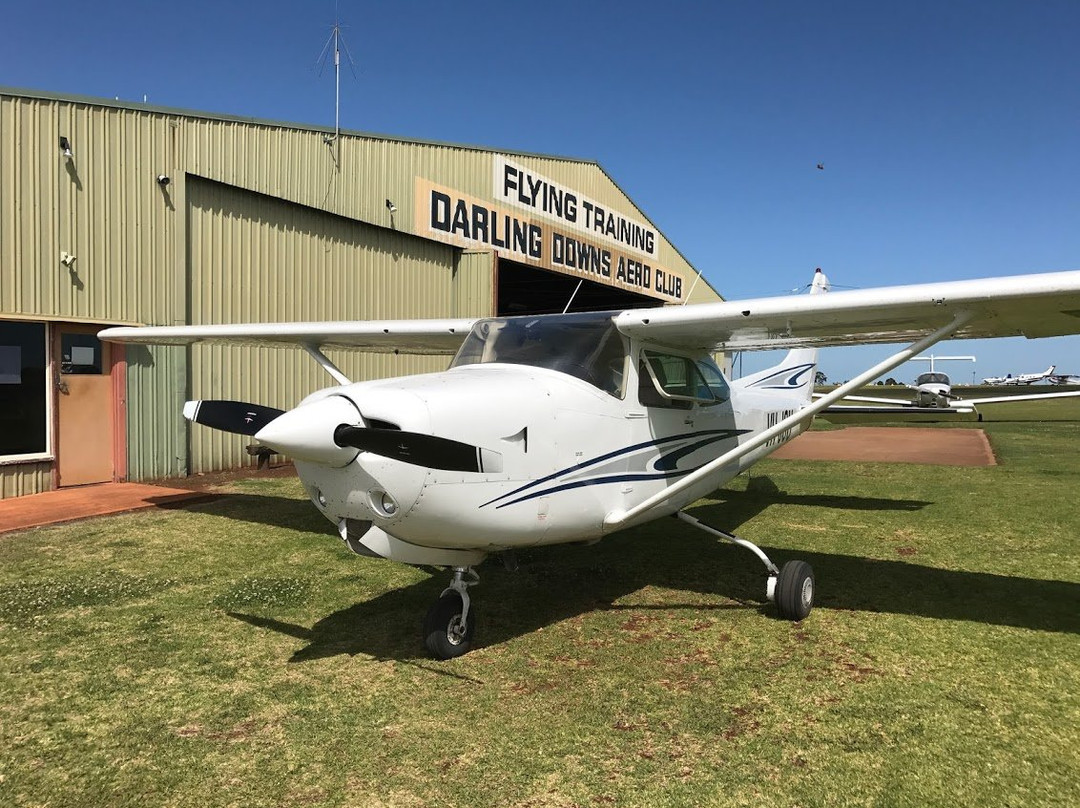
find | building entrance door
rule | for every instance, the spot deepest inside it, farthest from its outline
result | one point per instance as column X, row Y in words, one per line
column 84, row 407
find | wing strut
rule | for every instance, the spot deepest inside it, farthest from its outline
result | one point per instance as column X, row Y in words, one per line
column 325, row 364
column 617, row 519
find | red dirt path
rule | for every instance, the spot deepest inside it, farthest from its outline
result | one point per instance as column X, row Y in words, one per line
column 882, row 444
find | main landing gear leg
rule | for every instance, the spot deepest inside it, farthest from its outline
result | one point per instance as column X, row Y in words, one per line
column 790, row 588
column 449, row 625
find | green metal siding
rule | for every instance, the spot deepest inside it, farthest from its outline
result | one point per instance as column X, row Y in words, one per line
column 103, row 206
column 222, row 243
column 256, row 258
column 157, row 442
column 19, row 479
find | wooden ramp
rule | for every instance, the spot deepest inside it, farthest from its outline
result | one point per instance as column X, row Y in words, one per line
column 82, row 502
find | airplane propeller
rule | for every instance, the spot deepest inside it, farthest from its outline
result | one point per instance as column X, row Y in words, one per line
column 298, row 434
column 231, row 416
column 419, row 449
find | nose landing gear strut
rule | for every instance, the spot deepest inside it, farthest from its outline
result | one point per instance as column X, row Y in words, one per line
column 449, row 624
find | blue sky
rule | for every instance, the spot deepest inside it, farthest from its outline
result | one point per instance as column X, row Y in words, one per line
column 949, row 131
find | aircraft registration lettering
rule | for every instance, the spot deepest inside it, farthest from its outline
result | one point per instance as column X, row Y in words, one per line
column 771, row 420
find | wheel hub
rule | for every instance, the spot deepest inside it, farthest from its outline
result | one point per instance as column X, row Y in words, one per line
column 455, row 630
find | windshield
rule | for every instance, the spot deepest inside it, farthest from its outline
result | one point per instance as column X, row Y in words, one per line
column 932, row 378
column 585, row 345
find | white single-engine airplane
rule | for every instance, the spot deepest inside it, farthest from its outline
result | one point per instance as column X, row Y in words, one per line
column 567, row 428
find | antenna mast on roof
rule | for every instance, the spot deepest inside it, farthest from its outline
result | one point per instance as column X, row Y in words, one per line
column 338, row 42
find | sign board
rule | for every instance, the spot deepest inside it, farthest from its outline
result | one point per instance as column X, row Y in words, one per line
column 536, row 221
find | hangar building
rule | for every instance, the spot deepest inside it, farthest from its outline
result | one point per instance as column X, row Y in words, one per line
column 115, row 213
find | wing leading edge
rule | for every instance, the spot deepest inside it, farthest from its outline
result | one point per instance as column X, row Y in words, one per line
column 1033, row 306
column 386, row 336
column 1045, row 305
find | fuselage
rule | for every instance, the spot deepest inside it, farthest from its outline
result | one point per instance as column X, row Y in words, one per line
column 611, row 428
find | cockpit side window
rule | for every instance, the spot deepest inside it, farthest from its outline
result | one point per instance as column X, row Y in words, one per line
column 667, row 380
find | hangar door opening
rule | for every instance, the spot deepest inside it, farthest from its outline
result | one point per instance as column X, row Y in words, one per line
column 522, row 289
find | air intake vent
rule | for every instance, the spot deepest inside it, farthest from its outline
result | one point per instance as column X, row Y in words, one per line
column 375, row 423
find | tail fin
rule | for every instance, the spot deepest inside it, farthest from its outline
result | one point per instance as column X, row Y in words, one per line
column 799, row 367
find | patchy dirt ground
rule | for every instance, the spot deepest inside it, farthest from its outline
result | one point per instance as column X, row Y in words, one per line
column 874, row 444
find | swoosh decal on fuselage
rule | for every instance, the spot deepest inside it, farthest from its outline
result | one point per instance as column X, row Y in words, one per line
column 665, row 466
column 785, row 379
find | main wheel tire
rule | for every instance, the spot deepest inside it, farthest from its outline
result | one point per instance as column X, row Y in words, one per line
column 445, row 637
column 795, row 590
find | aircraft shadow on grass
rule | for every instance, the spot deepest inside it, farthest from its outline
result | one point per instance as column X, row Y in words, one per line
column 557, row 583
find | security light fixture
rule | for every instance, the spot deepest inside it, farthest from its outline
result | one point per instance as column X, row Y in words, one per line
column 390, row 206
column 65, row 146
column 163, row 180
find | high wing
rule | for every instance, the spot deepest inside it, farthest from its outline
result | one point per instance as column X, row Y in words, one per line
column 1043, row 305
column 385, row 336
column 1023, row 305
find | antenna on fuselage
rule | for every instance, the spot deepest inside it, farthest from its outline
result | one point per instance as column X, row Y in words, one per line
column 573, row 295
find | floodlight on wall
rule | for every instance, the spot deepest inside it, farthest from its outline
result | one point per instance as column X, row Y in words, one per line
column 390, row 206
column 163, row 180
column 65, row 147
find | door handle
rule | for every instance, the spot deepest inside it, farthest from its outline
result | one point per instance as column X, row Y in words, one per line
column 62, row 386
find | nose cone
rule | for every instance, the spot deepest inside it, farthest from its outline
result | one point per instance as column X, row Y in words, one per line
column 307, row 432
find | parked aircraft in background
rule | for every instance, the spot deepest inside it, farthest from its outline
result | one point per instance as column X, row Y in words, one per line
column 568, row 428
column 932, row 396
column 1064, row 378
column 1023, row 378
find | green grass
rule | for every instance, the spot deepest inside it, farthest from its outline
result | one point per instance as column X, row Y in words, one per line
column 234, row 653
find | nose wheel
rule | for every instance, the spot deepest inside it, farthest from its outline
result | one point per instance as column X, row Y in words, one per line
column 450, row 623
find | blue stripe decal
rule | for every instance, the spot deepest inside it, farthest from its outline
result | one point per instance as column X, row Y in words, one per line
column 619, row 478
column 664, row 464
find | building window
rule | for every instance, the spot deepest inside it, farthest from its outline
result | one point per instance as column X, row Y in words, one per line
column 23, row 390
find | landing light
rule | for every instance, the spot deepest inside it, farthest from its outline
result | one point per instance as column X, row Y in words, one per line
column 384, row 503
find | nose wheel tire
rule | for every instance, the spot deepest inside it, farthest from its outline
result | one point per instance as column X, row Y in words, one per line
column 795, row 590
column 446, row 634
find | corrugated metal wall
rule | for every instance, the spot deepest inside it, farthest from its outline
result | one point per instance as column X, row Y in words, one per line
column 102, row 206
column 157, row 435
column 19, row 479
column 222, row 229
column 254, row 258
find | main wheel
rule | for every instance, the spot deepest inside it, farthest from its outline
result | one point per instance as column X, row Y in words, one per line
column 445, row 634
column 795, row 590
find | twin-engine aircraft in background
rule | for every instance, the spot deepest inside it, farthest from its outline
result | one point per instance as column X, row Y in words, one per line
column 931, row 395
column 567, row 428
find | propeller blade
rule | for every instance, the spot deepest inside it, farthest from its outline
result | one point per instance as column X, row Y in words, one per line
column 231, row 416
column 420, row 450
